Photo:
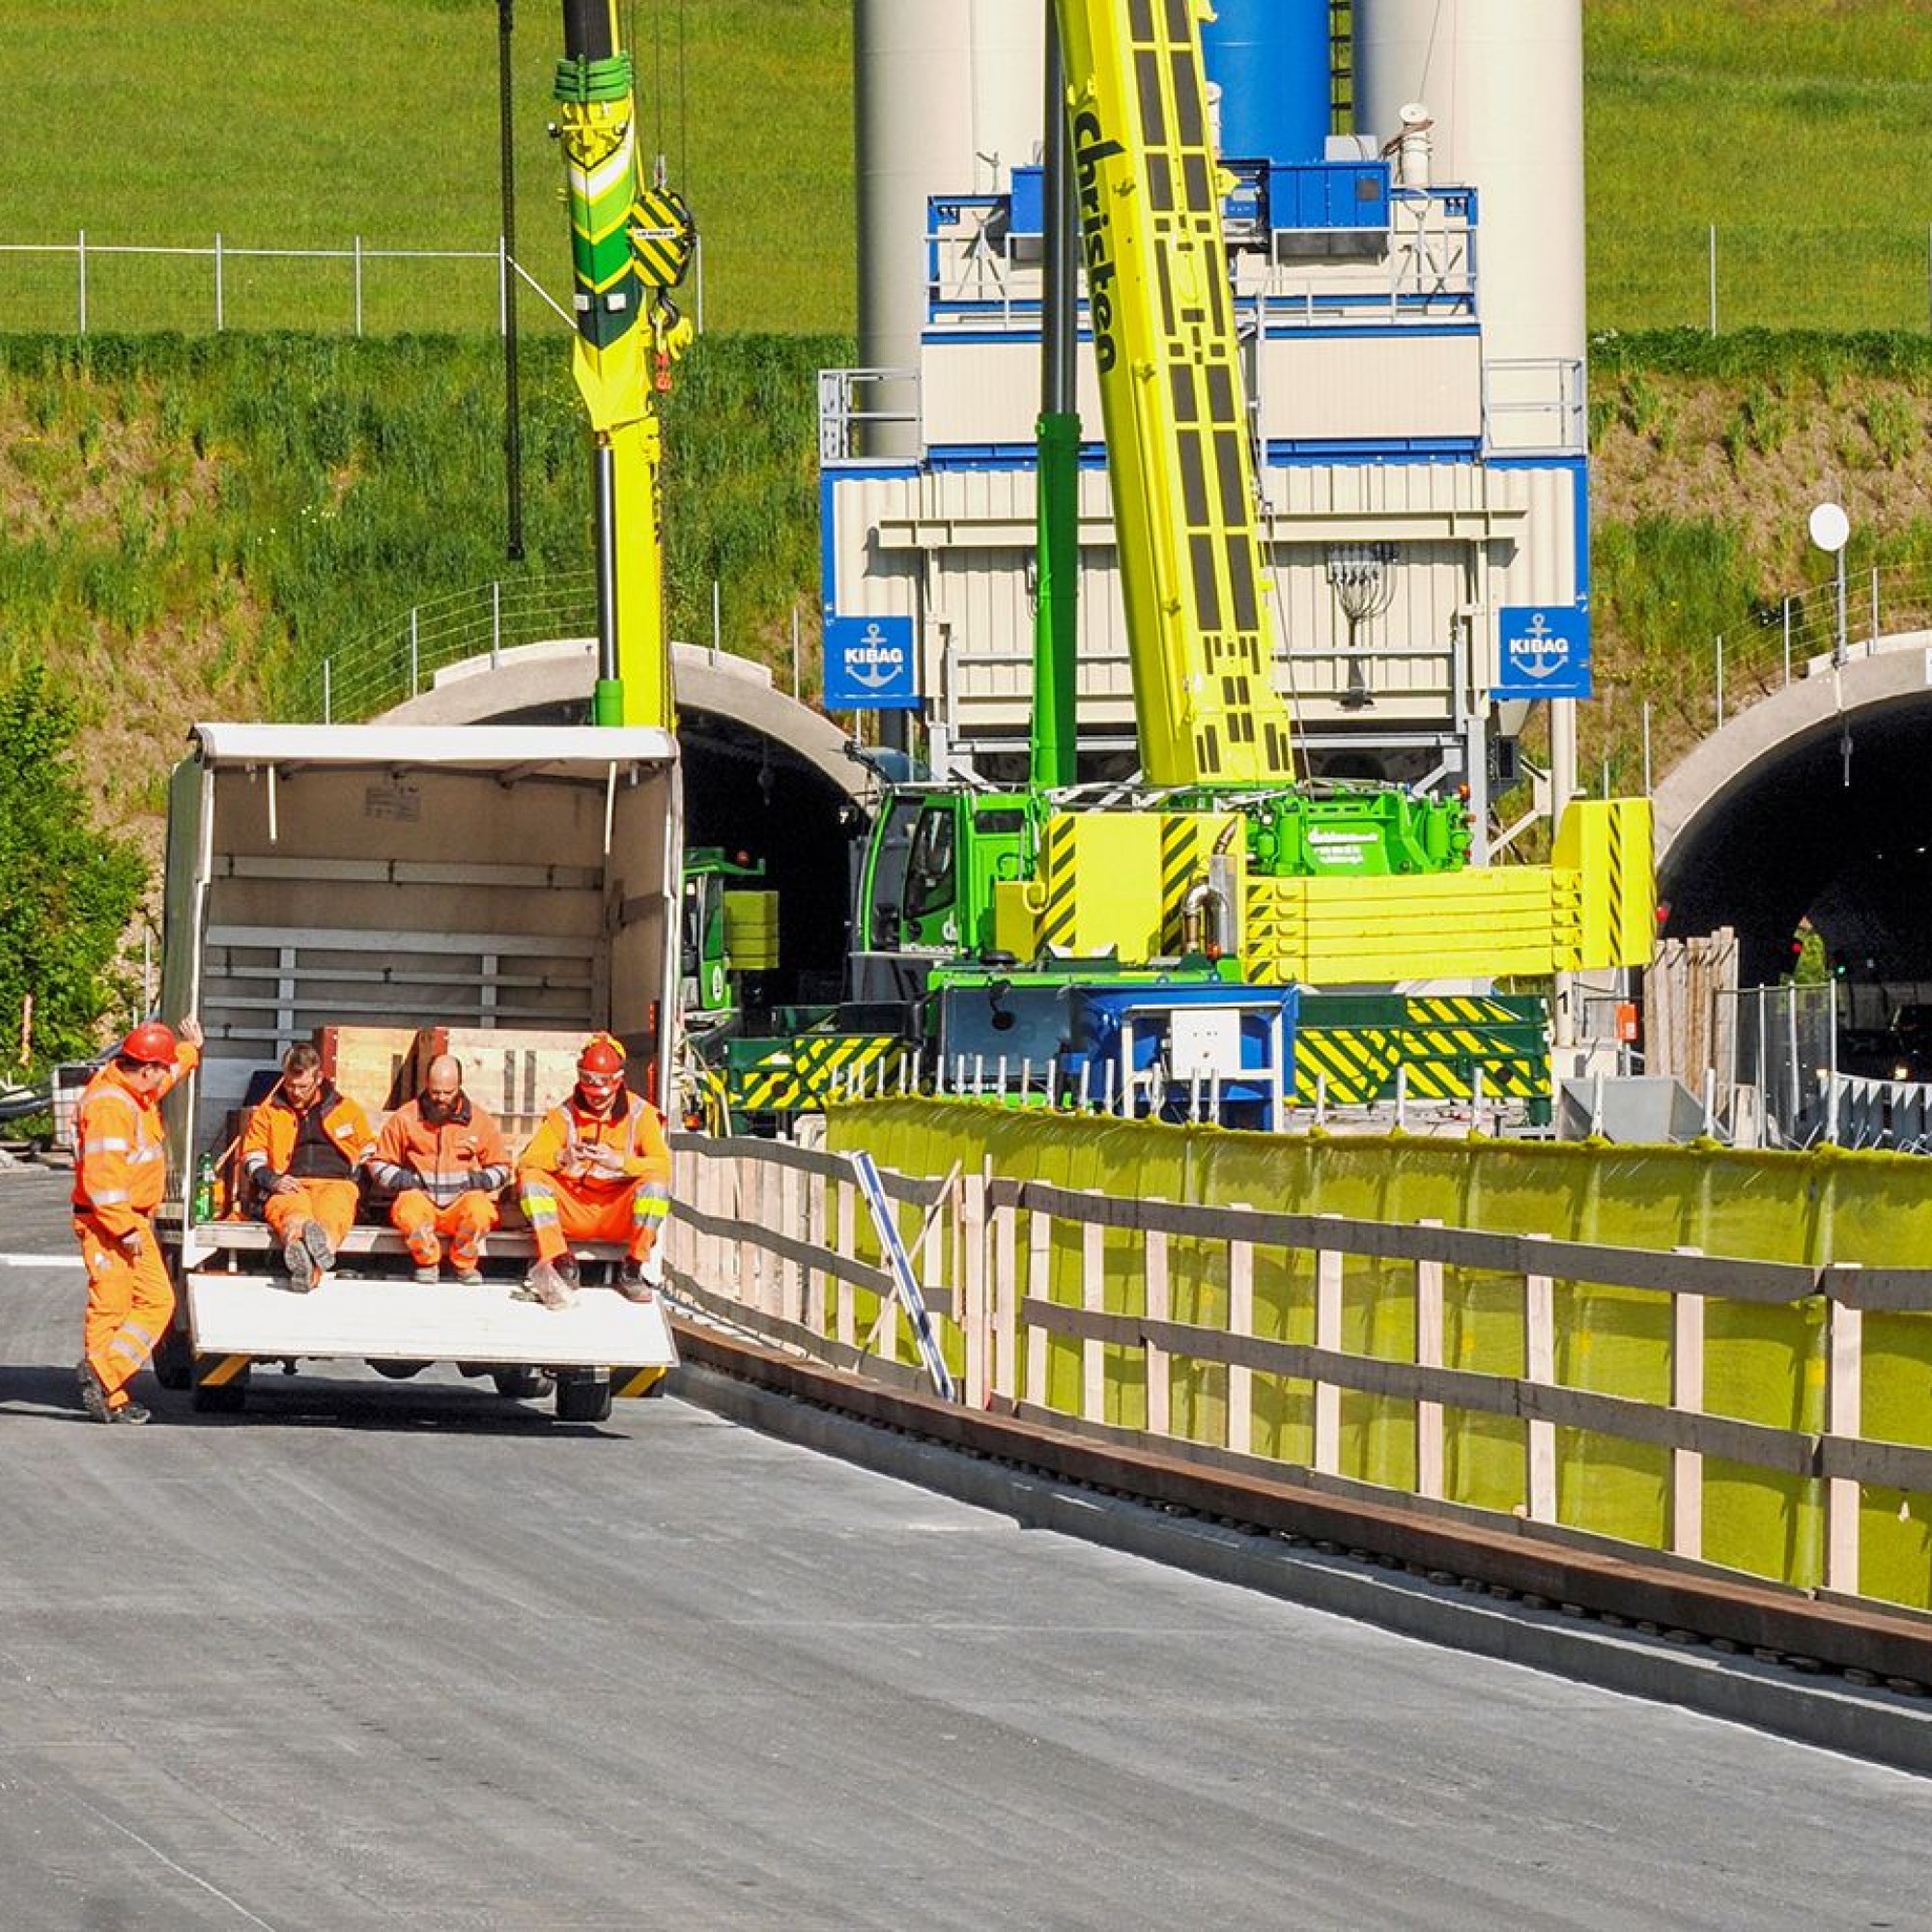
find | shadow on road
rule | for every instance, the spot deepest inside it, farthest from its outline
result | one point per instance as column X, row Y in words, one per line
column 47, row 1394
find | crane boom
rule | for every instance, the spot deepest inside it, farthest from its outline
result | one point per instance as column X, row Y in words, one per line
column 630, row 243
column 1193, row 574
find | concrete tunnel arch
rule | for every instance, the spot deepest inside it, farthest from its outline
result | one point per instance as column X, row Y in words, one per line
column 763, row 774
column 1816, row 802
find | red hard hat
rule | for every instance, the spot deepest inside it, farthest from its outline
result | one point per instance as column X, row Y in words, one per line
column 151, row 1043
column 601, row 1055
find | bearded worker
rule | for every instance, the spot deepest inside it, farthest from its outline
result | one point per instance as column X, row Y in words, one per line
column 443, row 1156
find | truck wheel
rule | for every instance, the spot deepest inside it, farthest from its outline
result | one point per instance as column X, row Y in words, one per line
column 521, row 1384
column 173, row 1363
column 399, row 1371
column 583, row 1399
column 220, row 1398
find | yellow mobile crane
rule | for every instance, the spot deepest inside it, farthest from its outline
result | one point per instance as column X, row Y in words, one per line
column 1363, row 886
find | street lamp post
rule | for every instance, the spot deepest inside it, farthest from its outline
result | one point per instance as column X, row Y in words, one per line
column 1830, row 531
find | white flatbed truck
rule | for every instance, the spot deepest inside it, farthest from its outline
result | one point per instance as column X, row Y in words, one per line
column 512, row 877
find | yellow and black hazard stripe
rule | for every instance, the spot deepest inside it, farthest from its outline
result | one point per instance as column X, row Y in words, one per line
column 1060, row 876
column 1347, row 1065
column 635, row 1382
column 663, row 236
column 805, row 1072
column 218, row 1371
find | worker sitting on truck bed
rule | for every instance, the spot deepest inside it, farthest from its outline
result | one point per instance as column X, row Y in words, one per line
column 444, row 1158
column 598, row 1169
column 120, row 1162
column 302, row 1148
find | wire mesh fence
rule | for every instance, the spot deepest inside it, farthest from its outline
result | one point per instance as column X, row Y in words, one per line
column 400, row 660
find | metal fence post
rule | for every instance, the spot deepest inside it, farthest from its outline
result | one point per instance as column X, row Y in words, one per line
column 1787, row 641
column 698, row 270
column 219, row 316
column 80, row 272
column 1721, row 678
column 495, row 625
column 327, row 694
column 415, row 654
column 1714, row 278
column 359, row 285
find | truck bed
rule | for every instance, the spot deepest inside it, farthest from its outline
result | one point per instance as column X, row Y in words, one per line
column 401, row 1320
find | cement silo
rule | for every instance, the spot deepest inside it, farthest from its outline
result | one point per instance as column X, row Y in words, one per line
column 1502, row 81
column 1267, row 67
column 947, row 101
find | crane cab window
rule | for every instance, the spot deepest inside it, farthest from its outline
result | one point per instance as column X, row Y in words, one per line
column 932, row 880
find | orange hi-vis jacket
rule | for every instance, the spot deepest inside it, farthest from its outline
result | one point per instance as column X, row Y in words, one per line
column 121, row 1156
column 275, row 1138
column 635, row 1128
column 445, row 1158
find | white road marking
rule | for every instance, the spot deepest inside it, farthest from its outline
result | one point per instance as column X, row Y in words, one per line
column 40, row 1260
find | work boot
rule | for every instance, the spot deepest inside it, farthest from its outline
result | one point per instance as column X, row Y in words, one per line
column 566, row 1266
column 315, row 1239
column 634, row 1283
column 429, row 1274
column 92, row 1396
column 469, row 1275
column 546, row 1283
column 301, row 1264
column 129, row 1412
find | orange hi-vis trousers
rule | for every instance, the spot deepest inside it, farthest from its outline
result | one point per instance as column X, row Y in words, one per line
column 466, row 1221
column 129, row 1305
column 332, row 1202
column 561, row 1210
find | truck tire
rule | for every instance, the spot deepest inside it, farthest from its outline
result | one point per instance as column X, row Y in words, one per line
column 399, row 1371
column 584, row 1398
column 220, row 1398
column 521, row 1384
column 173, row 1362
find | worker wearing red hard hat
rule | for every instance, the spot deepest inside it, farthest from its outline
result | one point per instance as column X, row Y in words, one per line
column 120, row 1165
column 598, row 1169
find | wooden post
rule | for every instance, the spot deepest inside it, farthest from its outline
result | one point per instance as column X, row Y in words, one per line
column 1093, row 1298
column 1844, row 1415
column 1687, row 1395
column 1039, row 1278
column 1539, row 1341
column 1430, row 1448
column 973, row 1312
column 1327, row 1335
column 846, row 1298
column 1159, row 1363
column 1240, row 1322
column 1006, row 1300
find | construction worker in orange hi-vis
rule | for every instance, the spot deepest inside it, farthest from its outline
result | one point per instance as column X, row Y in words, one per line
column 598, row 1169
column 443, row 1156
column 302, row 1148
column 120, row 1165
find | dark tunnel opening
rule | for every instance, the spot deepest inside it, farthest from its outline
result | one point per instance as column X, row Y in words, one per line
column 1835, row 827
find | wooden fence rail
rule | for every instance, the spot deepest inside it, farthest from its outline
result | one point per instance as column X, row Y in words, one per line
column 1086, row 1310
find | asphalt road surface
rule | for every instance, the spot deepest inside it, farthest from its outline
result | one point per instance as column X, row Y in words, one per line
column 404, row 1655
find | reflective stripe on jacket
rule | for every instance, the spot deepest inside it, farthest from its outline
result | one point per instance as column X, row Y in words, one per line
column 120, row 1154
column 274, row 1127
column 445, row 1160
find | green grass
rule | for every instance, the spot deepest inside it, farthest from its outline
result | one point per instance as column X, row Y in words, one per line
column 1791, row 126
column 221, row 513
column 164, row 122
